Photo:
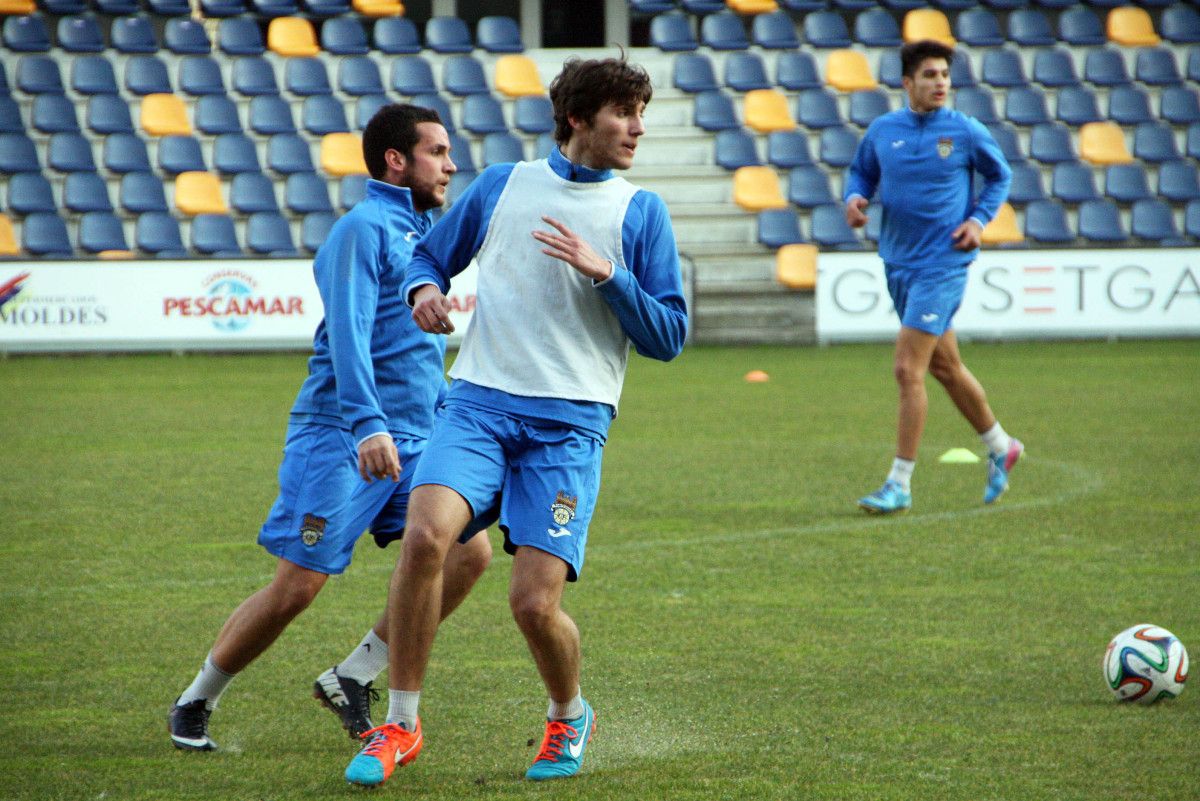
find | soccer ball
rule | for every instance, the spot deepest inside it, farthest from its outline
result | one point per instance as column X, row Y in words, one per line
column 1144, row 663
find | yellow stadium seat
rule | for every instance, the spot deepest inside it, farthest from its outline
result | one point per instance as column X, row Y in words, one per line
column 848, row 71
column 1103, row 143
column 1131, row 26
column 757, row 188
column 199, row 193
column 292, row 36
column 752, row 6
column 17, row 7
column 341, row 154
column 927, row 23
column 110, row 255
column 378, row 8
column 766, row 110
column 517, row 75
column 8, row 239
column 1003, row 230
column 796, row 266
column 165, row 115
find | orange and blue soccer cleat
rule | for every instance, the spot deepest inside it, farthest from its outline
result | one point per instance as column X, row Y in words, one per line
column 387, row 746
column 562, row 748
column 999, row 466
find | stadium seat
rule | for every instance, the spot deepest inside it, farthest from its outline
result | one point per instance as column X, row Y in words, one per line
column 1153, row 220
column 1076, row 106
column 1008, row 141
column 817, row 108
column 1046, row 222
column 1026, row 185
column 830, row 229
column 437, row 103
column 116, row 8
column 271, row 114
column 877, row 27
column 976, row 101
column 213, row 234
column 978, row 27
column 723, row 31
column 1054, row 68
column 753, row 6
column 766, row 110
column 378, row 8
column 517, row 76
column 178, row 154
column 351, row 189
column 1191, row 219
column 448, row 35
column 275, row 8
column 133, row 35
column 1103, row 143
column 306, row 76
column 889, row 70
column 1100, row 221
column 18, row 154
column 292, row 37
column 306, row 192
column 323, row 114
column 101, row 232
column 1131, row 26
column 164, row 115
column 808, row 186
column 1193, row 65
column 234, row 153
column 1003, row 68
column 1126, row 183
column 838, row 144
column 69, row 152
column 344, row 36
column 251, row 192
column 787, row 149
column 341, row 154
column 359, row 75
column 1180, row 24
column 58, row 7
column 693, row 72
column 141, row 192
column 240, row 36
column 848, row 71
column 1129, row 105
column 396, row 36
column 774, row 30
column 1155, row 142
column 1003, row 230
column 93, row 75
column 498, row 34
column 803, row 5
column 288, row 153
column 651, row 6
column 169, row 8
column 1157, row 67
column 26, row 34
column 157, row 233
column 1079, row 26
column 125, row 153
column 460, row 151
column 200, row 75
column 672, row 32
column 10, row 116
column 460, row 180
column 85, row 191
column 533, row 115
column 702, row 7
column 1179, row 105
column 45, row 234
column 199, row 193
column 796, row 266
column 745, row 72
column 147, row 75
column 463, row 75
column 412, row 75
column 734, row 148
column 713, row 111
column 314, row 230
column 327, row 8
column 1192, row 141
column 38, row 74
column 216, row 114
column 1050, row 143
column 482, row 114
column 1178, row 181
column 757, row 188
column 826, row 29
column 1073, row 182
column 1104, row 66
column 366, row 107
column 30, row 193
column 796, row 70
column 80, row 35
column 1029, row 27
column 53, row 114
column 8, row 238
column 222, row 8
column 501, row 147
column 868, row 104
column 779, row 227
column 254, row 76
column 186, row 36
column 268, row 234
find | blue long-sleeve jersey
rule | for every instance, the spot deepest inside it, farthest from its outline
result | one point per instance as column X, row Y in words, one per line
column 923, row 166
column 372, row 369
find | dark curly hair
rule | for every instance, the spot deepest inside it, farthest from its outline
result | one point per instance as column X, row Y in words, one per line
column 584, row 87
column 913, row 53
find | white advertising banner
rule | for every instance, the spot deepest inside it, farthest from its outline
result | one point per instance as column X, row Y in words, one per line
column 1027, row 294
column 171, row 305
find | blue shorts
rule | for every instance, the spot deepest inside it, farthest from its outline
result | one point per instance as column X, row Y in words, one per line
column 541, row 479
column 927, row 298
column 324, row 505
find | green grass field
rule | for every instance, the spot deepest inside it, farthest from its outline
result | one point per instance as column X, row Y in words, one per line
column 748, row 634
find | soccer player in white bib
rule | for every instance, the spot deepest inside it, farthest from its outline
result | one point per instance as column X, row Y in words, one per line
column 575, row 264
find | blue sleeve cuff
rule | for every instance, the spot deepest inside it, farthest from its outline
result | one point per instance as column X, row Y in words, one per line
column 368, row 428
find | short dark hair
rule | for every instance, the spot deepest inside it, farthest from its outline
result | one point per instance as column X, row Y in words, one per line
column 913, row 53
column 584, row 87
column 393, row 127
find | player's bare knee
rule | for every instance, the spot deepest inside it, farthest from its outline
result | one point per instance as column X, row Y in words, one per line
column 292, row 598
column 424, row 547
column 478, row 556
column 907, row 373
column 946, row 372
column 533, row 611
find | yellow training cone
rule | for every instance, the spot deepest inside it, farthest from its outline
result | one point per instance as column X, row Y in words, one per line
column 958, row 456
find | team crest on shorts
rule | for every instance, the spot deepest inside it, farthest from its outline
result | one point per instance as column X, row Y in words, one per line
column 312, row 529
column 563, row 508
column 945, row 147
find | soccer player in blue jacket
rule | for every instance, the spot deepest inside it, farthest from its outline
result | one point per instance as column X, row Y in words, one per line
column 575, row 264
column 921, row 160
column 359, row 423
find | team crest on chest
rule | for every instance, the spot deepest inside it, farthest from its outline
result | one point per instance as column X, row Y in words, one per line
column 563, row 508
column 945, row 147
column 312, row 529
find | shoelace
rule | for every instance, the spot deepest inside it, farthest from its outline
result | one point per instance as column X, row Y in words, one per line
column 362, row 702
column 195, row 719
column 379, row 737
column 557, row 733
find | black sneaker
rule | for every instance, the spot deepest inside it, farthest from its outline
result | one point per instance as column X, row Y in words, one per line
column 347, row 699
column 188, row 725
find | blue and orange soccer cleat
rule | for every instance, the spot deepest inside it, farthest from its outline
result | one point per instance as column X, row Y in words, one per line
column 387, row 746
column 562, row 748
column 999, row 466
column 888, row 499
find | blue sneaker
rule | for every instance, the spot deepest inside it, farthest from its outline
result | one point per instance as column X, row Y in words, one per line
column 888, row 499
column 562, row 749
column 999, row 466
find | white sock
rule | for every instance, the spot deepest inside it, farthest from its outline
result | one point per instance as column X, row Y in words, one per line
column 367, row 661
column 996, row 439
column 402, row 708
column 209, row 683
column 566, row 711
column 902, row 470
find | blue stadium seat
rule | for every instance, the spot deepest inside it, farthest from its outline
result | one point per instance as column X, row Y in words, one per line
column 817, row 108
column 1129, row 105
column 186, row 36
column 1050, row 143
column 116, row 8
column 779, row 227
column 796, row 70
column 1191, row 219
column 178, row 154
column 1079, row 26
column 1026, row 185
column 351, row 189
column 448, row 35
column 1156, row 66
column 735, row 148
column 234, row 153
column 147, row 75
column 978, row 27
column 1126, row 183
column 1180, row 24
column 268, row 233
column 222, row 8
column 45, row 234
column 889, row 71
column 961, row 74
column 713, row 111
column 214, row 234
column 1008, row 141
column 1077, row 106
column 1153, row 220
column 904, row 5
column 412, row 75
column 1100, row 221
column 976, row 101
column 460, row 180
column 326, row 8
column 306, row 76
column 745, row 71
column 1178, row 181
column 108, row 114
column 1192, row 146
column 141, row 192
column 69, row 152
column 271, row 114
column 323, row 114
column 39, row 75
column 18, row 154
column 1179, row 105
column 497, row 34
column 1029, row 27
column 275, row 8
column 396, row 36
column 217, row 114
column 808, row 186
column 359, row 75
column 482, row 114
column 1054, row 68
column 254, row 76
column 533, row 114
column 1105, row 66
column 502, row 147
column 80, row 35
column 133, row 35
column 1046, row 222
column 866, row 105
column 306, row 192
column 693, row 72
column 1155, row 142
column 957, row 5
column 702, row 7
column 251, row 192
column 1193, row 64
column 803, row 5
column 124, row 153
column 344, row 36
column 63, row 7
column 436, row 102
column 876, row 28
column 157, row 233
column 826, row 29
column 288, row 153
column 830, row 230
column 1003, row 68
column 93, row 75
column 200, row 75
column 26, row 34
column 460, row 152
column 853, row 5
column 774, row 30
column 4, row 88
column 100, row 231
column 30, row 193
column 53, row 114
column 787, row 149
column 240, row 36
column 462, row 75
column 651, row 6
column 169, row 8
column 10, row 116
column 314, row 230
column 723, row 31
column 838, row 144
column 1005, row 5
column 366, row 107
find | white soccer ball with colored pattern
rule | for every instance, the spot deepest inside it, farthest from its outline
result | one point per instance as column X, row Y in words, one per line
column 1145, row 663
